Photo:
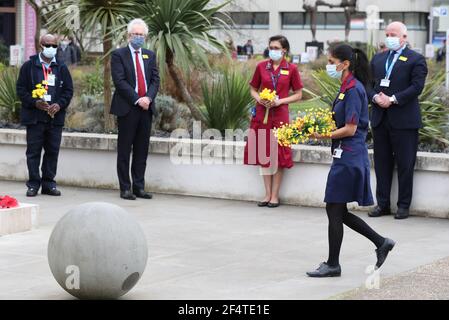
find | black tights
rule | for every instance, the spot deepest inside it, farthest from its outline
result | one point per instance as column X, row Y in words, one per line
column 338, row 215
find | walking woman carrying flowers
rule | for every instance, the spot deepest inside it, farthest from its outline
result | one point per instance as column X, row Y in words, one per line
column 349, row 176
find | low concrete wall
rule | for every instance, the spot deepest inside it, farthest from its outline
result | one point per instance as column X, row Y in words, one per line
column 89, row 160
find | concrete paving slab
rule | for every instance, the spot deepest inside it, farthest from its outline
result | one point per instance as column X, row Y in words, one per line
column 201, row 248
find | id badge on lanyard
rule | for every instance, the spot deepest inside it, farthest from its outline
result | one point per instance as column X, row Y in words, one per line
column 275, row 80
column 49, row 77
column 338, row 152
column 388, row 69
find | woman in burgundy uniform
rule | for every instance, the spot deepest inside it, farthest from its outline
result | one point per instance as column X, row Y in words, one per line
column 262, row 148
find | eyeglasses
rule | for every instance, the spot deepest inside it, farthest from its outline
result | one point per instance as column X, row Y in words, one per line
column 137, row 34
column 50, row 45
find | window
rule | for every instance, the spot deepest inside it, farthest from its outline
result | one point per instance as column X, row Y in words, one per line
column 320, row 20
column 7, row 28
column 293, row 20
column 7, row 3
column 358, row 21
column 335, row 20
column 324, row 20
column 413, row 20
column 250, row 20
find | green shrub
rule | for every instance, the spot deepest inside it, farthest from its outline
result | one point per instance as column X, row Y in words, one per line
column 227, row 101
column 92, row 82
column 85, row 114
column 9, row 101
column 171, row 115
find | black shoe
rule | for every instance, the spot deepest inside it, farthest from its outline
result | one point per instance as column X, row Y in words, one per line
column 325, row 270
column 273, row 205
column 262, row 204
column 379, row 212
column 383, row 250
column 51, row 192
column 402, row 214
column 32, row 192
column 142, row 194
column 127, row 195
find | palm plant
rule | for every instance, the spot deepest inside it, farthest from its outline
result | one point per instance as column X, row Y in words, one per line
column 9, row 101
column 328, row 87
column 227, row 101
column 105, row 17
column 435, row 110
column 179, row 32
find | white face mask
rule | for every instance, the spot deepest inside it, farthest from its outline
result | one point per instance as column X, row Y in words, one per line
column 49, row 53
column 393, row 43
column 332, row 71
column 276, row 55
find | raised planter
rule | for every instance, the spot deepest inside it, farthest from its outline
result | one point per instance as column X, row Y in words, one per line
column 89, row 160
column 20, row 219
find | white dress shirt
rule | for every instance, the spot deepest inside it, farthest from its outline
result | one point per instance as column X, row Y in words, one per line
column 133, row 55
column 45, row 63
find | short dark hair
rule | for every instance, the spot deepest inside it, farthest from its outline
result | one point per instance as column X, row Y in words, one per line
column 282, row 40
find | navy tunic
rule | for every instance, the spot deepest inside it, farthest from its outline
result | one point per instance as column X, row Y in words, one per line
column 349, row 176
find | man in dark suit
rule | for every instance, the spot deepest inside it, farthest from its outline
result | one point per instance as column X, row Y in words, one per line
column 136, row 80
column 44, row 116
column 399, row 76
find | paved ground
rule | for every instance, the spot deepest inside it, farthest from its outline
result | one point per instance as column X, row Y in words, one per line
column 428, row 282
column 217, row 249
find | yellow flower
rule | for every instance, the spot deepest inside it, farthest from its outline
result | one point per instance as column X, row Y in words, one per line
column 267, row 94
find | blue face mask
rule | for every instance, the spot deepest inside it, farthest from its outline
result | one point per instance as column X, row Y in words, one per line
column 137, row 42
column 393, row 43
column 276, row 55
column 332, row 71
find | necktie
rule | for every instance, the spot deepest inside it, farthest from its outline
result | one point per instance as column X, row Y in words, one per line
column 391, row 57
column 141, row 90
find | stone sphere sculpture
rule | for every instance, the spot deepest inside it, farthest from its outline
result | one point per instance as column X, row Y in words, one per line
column 97, row 251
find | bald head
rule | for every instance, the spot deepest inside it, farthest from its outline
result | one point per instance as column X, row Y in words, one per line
column 397, row 29
column 48, row 39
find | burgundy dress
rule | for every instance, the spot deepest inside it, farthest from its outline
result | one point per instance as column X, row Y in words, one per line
column 262, row 143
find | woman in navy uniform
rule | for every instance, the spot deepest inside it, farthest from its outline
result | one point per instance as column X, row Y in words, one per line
column 349, row 176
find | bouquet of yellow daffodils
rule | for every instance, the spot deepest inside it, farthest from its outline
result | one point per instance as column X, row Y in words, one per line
column 315, row 120
column 40, row 90
column 269, row 95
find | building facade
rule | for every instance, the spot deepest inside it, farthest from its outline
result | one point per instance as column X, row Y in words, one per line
column 260, row 19
column 18, row 25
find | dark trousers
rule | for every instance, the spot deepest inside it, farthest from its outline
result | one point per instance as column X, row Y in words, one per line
column 133, row 134
column 394, row 146
column 48, row 137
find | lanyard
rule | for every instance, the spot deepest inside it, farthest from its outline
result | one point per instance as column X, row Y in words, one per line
column 46, row 73
column 275, row 79
column 389, row 69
